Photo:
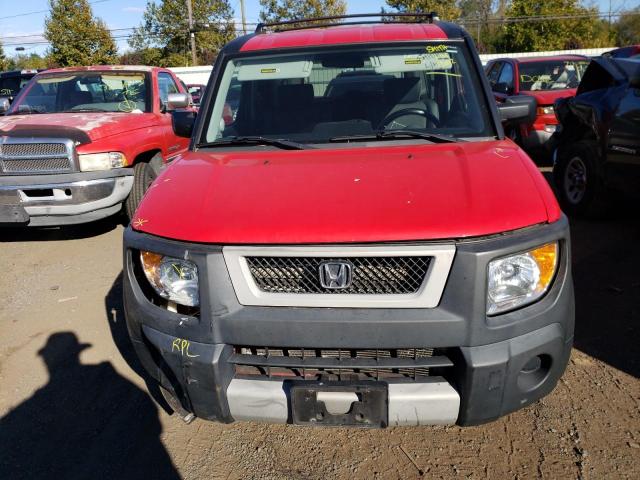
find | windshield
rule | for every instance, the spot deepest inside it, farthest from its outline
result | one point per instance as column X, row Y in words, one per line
column 316, row 96
column 552, row 74
column 85, row 91
column 10, row 86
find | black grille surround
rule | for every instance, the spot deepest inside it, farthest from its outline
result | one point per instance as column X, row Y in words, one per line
column 370, row 275
column 341, row 364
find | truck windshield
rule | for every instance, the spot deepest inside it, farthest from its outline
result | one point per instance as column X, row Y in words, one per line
column 85, row 91
column 551, row 74
column 11, row 85
column 320, row 95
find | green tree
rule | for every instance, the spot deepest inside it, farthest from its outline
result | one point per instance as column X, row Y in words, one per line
column 279, row 10
column 76, row 36
column 28, row 62
column 165, row 29
column 628, row 28
column 588, row 31
column 4, row 62
column 446, row 9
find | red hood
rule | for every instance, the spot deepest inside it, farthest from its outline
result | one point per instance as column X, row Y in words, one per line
column 548, row 97
column 414, row 192
column 96, row 125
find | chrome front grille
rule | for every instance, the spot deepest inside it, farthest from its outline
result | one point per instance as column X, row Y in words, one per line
column 24, row 156
column 369, row 275
column 315, row 363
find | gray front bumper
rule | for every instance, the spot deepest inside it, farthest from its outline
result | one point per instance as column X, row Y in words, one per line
column 491, row 356
column 67, row 198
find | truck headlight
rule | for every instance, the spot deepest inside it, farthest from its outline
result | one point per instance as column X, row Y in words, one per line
column 520, row 279
column 548, row 110
column 172, row 278
column 91, row 162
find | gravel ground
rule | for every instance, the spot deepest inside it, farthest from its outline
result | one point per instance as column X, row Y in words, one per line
column 73, row 406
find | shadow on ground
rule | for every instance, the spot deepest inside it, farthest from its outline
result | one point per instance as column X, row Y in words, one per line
column 606, row 273
column 86, row 422
column 69, row 232
column 114, row 309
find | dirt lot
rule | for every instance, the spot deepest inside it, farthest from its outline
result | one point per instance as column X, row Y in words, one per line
column 73, row 406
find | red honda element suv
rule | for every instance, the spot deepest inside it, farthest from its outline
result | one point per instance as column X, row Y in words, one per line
column 357, row 245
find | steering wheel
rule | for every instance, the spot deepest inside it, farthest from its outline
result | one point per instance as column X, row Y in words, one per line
column 409, row 111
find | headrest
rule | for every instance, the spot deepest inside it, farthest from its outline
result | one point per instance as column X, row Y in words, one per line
column 295, row 96
column 402, row 90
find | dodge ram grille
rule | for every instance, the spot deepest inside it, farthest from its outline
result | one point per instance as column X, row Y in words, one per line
column 367, row 275
column 20, row 156
column 314, row 363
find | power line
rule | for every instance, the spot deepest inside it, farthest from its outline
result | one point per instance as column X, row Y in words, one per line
column 44, row 11
column 14, row 39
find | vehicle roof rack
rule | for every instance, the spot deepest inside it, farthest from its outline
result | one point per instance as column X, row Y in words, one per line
column 328, row 21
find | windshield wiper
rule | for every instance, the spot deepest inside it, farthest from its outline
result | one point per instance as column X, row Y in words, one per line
column 398, row 134
column 84, row 109
column 280, row 143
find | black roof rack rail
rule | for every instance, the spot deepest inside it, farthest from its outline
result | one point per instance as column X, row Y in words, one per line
column 428, row 17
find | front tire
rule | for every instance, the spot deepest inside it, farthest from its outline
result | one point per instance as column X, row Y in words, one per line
column 578, row 180
column 144, row 173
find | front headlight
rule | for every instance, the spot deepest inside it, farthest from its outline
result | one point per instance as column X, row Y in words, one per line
column 172, row 278
column 520, row 279
column 92, row 162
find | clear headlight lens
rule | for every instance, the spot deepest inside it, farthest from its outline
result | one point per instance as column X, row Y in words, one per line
column 101, row 161
column 172, row 278
column 520, row 279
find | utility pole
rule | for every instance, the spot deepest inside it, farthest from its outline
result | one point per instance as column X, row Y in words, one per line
column 192, row 34
column 244, row 18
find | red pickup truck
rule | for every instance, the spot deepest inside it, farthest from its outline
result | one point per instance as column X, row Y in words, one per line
column 359, row 244
column 544, row 78
column 79, row 143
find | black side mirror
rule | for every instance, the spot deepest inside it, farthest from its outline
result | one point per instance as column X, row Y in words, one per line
column 518, row 110
column 503, row 88
column 182, row 122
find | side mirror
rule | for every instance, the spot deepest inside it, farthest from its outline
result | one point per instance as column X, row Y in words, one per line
column 182, row 122
column 518, row 110
column 4, row 104
column 177, row 100
column 503, row 88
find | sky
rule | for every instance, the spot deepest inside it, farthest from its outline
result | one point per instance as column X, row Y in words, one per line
column 22, row 23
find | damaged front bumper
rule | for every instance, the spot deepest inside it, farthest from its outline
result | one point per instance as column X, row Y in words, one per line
column 63, row 199
column 480, row 368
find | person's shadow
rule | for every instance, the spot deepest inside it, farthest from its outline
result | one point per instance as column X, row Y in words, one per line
column 86, row 422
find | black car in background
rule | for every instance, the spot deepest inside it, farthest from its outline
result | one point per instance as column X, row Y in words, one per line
column 597, row 150
column 12, row 82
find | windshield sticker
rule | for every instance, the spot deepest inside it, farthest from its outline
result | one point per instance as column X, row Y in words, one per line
column 437, row 61
column 269, row 70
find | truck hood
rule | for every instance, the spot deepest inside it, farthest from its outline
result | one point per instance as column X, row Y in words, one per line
column 412, row 192
column 83, row 127
column 548, row 97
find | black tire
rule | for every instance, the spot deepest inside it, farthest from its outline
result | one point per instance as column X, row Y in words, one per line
column 579, row 183
column 144, row 173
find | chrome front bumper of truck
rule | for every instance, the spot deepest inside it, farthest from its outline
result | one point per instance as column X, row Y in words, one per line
column 63, row 199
